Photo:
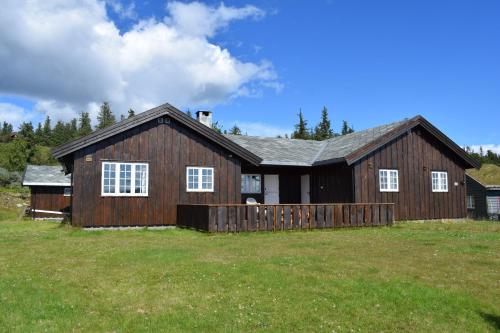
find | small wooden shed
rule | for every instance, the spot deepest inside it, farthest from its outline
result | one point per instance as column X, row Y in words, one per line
column 50, row 191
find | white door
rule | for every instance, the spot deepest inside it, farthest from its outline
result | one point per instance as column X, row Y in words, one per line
column 305, row 189
column 271, row 189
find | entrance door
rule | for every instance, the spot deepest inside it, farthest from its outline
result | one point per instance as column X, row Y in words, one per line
column 305, row 189
column 271, row 189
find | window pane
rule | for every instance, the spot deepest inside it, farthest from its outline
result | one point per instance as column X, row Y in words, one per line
column 141, row 178
column 109, row 177
column 383, row 179
column 193, row 178
column 125, row 178
column 206, row 179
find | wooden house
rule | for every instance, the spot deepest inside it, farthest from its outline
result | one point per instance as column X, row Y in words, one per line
column 50, row 191
column 483, row 201
column 138, row 171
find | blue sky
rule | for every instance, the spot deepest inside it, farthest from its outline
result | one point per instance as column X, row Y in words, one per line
column 369, row 62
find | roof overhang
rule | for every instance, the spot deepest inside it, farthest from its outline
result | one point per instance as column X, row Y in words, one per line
column 400, row 130
column 166, row 109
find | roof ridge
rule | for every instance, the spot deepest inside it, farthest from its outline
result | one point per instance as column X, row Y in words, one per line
column 320, row 151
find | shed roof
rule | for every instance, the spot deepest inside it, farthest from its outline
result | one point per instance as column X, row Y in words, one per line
column 45, row 175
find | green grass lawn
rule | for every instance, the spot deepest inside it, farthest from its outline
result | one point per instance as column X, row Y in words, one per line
column 432, row 277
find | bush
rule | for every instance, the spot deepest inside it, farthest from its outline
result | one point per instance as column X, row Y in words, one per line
column 10, row 179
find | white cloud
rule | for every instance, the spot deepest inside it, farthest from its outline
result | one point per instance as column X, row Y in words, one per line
column 123, row 11
column 14, row 114
column 197, row 19
column 260, row 129
column 490, row 146
column 69, row 56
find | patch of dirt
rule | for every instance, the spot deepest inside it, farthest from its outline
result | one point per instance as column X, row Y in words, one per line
column 13, row 200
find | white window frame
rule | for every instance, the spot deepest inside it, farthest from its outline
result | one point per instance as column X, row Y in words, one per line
column 132, row 180
column 66, row 190
column 440, row 184
column 199, row 182
column 250, row 176
column 388, row 175
column 471, row 204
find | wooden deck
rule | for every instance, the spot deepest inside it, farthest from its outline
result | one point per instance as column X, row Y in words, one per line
column 239, row 217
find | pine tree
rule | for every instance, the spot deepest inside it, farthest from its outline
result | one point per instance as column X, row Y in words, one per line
column 6, row 132
column 301, row 130
column 188, row 112
column 235, row 130
column 85, row 127
column 131, row 113
column 216, row 127
column 39, row 134
column 105, row 117
column 323, row 130
column 59, row 134
column 26, row 132
column 122, row 117
column 346, row 129
column 46, row 132
column 73, row 129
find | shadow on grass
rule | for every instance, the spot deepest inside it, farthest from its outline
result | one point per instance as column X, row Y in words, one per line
column 492, row 319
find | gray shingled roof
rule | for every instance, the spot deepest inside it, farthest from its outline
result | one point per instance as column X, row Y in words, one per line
column 279, row 151
column 45, row 175
column 344, row 145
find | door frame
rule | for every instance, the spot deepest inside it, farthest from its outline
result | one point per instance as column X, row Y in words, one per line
column 266, row 182
column 305, row 193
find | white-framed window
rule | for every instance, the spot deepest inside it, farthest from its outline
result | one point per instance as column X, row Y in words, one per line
column 388, row 180
column 124, row 179
column 250, row 183
column 199, row 179
column 67, row 191
column 470, row 202
column 439, row 181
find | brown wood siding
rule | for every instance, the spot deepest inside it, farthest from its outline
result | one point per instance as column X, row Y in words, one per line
column 331, row 184
column 415, row 155
column 168, row 148
column 49, row 198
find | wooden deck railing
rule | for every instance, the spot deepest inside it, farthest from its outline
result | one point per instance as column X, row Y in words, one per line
column 236, row 218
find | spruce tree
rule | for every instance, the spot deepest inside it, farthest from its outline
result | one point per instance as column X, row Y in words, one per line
column 131, row 113
column 188, row 112
column 85, row 127
column 26, row 132
column 301, row 130
column 46, row 132
column 105, row 117
column 6, row 132
column 39, row 134
column 73, row 129
column 346, row 129
column 235, row 130
column 59, row 133
column 218, row 128
column 323, row 130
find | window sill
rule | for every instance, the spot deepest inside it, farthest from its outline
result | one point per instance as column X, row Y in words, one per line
column 124, row 195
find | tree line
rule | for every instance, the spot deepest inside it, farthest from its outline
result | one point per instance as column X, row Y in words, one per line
column 321, row 131
column 488, row 157
column 31, row 145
